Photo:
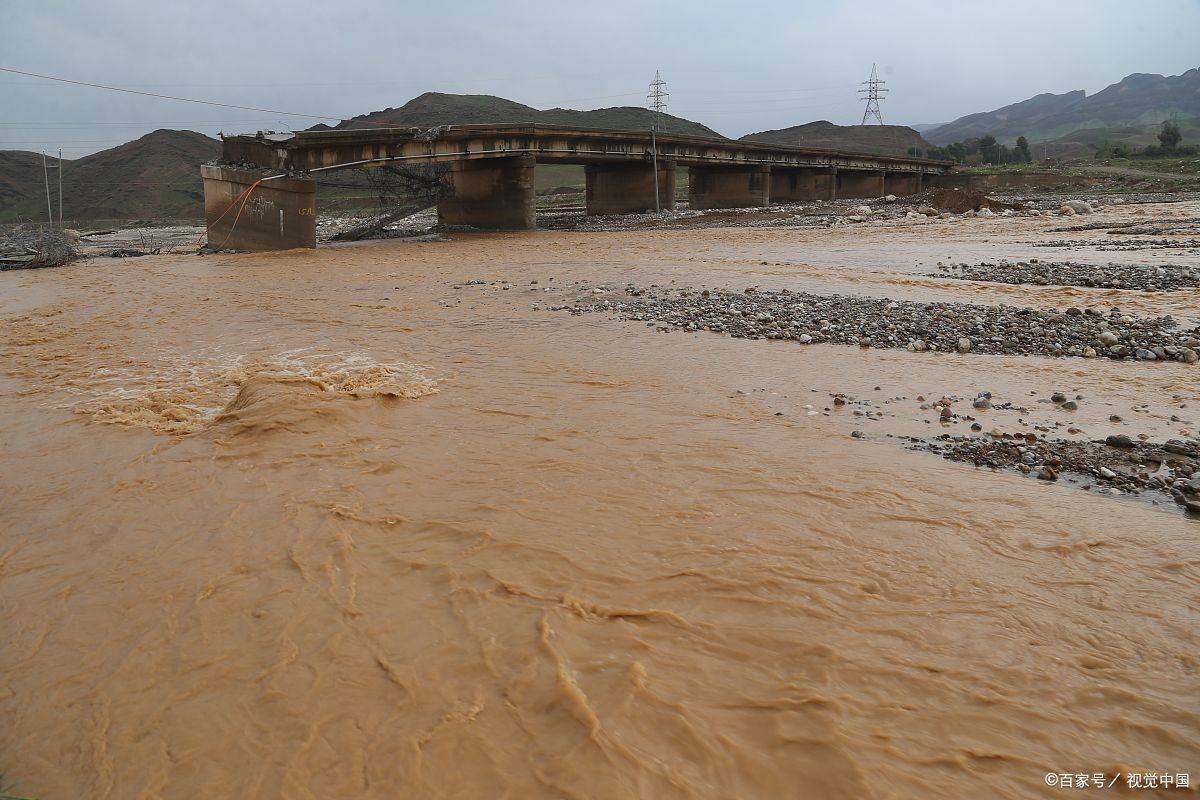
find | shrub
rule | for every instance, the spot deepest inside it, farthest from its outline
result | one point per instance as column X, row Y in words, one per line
column 1113, row 150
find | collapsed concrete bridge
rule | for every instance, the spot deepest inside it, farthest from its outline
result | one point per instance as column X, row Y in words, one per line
column 262, row 195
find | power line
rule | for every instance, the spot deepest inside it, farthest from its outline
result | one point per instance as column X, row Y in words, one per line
column 657, row 100
column 715, row 95
column 874, row 94
column 124, row 123
column 164, row 96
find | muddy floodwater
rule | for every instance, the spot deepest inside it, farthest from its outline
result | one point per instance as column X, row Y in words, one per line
column 374, row 521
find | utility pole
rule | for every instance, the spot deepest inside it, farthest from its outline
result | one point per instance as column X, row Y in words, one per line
column 60, row 187
column 46, row 175
column 873, row 94
column 654, row 162
column 657, row 101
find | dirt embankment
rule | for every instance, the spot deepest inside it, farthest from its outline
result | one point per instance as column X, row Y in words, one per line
column 960, row 201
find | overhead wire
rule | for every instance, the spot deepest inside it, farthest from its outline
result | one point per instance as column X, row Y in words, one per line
column 165, row 96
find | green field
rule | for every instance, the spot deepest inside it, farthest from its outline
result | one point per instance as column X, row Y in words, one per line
column 553, row 176
column 1175, row 165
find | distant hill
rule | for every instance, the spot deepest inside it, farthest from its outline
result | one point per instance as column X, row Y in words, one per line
column 1136, row 100
column 1083, row 143
column 879, row 139
column 436, row 108
column 155, row 176
column 20, row 171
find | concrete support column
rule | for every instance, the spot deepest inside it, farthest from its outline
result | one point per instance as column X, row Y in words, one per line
column 793, row 185
column 629, row 188
column 860, row 184
column 833, row 183
column 902, row 183
column 729, row 187
column 492, row 193
column 275, row 215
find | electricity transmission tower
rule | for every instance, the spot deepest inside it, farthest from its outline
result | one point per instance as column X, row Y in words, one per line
column 657, row 98
column 657, row 101
column 873, row 94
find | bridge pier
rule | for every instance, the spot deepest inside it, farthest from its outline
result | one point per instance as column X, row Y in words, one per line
column 629, row 188
column 276, row 215
column 793, row 185
column 902, row 183
column 857, row 183
column 729, row 187
column 495, row 193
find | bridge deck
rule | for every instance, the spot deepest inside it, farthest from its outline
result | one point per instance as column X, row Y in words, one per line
column 331, row 149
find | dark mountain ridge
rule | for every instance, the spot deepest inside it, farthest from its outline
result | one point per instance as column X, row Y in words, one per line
column 435, row 108
column 878, row 139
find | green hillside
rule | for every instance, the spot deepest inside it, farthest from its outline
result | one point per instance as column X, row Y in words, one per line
column 157, row 175
column 1082, row 143
column 1137, row 100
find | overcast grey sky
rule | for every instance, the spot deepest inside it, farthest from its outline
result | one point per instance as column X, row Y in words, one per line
column 736, row 67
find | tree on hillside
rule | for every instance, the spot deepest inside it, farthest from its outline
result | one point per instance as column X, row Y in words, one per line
column 990, row 149
column 1170, row 137
column 1023, row 149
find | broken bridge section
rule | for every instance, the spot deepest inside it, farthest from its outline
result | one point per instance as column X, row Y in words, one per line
column 243, row 212
column 489, row 172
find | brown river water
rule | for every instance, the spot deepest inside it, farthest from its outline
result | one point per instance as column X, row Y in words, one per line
column 331, row 524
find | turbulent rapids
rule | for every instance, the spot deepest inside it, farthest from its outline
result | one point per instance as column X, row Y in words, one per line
column 382, row 520
column 192, row 398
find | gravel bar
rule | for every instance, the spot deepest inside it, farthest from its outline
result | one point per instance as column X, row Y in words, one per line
column 1117, row 464
column 1167, row 278
column 869, row 322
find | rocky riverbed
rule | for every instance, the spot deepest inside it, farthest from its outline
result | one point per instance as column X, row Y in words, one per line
column 1176, row 226
column 1164, row 278
column 915, row 326
column 1124, row 244
column 1116, row 465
